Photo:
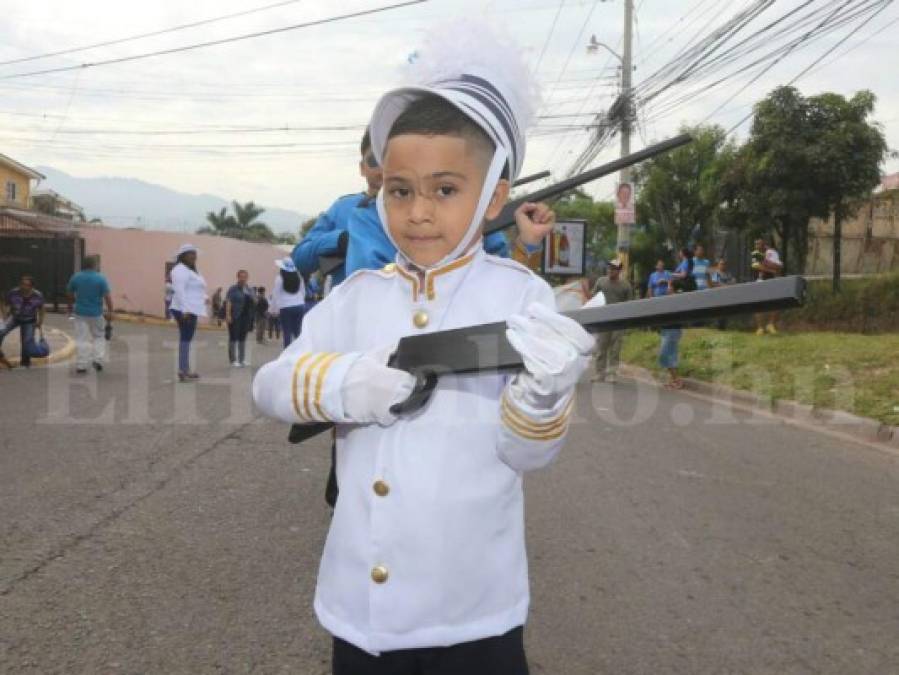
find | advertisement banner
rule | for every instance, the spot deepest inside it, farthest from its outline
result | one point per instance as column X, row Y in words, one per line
column 565, row 249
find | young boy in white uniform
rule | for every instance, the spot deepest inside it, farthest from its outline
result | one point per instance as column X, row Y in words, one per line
column 424, row 569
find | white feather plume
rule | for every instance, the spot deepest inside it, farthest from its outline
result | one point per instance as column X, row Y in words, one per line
column 467, row 46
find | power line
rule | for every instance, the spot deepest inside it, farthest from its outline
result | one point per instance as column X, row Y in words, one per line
column 141, row 36
column 552, row 28
column 213, row 43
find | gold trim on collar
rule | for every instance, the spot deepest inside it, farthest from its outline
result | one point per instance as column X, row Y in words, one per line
column 416, row 286
column 431, row 275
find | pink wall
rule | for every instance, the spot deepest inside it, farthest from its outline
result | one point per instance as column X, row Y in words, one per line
column 134, row 263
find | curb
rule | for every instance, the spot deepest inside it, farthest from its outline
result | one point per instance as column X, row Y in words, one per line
column 64, row 353
column 840, row 421
column 157, row 321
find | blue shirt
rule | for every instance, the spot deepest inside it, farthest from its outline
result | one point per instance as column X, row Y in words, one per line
column 323, row 237
column 370, row 248
column 241, row 301
column 24, row 308
column 658, row 283
column 700, row 273
column 89, row 288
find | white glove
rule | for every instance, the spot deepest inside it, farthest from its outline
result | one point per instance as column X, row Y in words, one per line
column 555, row 350
column 370, row 388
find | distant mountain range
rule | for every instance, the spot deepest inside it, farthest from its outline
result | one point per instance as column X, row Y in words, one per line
column 128, row 202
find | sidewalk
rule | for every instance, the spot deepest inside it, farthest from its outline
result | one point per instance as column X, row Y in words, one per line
column 62, row 347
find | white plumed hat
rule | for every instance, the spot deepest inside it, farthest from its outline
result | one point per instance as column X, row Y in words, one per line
column 477, row 70
column 483, row 74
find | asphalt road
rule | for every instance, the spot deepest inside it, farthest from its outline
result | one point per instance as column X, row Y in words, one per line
column 150, row 527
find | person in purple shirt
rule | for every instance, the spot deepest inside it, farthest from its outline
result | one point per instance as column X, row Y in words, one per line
column 22, row 308
column 659, row 281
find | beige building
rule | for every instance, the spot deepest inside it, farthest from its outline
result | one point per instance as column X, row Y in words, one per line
column 15, row 183
column 870, row 242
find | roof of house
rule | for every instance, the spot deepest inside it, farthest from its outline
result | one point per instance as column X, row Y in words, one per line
column 65, row 201
column 21, row 168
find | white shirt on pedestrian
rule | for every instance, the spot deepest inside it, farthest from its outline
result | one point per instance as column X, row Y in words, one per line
column 190, row 291
column 283, row 299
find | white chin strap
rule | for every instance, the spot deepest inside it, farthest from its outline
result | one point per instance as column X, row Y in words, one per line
column 497, row 164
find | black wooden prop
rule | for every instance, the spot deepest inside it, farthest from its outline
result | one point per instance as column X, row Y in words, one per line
column 484, row 348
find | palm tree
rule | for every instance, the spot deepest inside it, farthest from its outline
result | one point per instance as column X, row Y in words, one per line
column 242, row 225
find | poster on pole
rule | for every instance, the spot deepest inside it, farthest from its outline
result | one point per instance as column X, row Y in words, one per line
column 625, row 211
column 565, row 250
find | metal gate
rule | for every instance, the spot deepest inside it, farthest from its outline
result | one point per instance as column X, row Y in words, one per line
column 51, row 260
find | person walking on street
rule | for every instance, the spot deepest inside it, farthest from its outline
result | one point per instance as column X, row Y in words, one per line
column 239, row 317
column 659, row 281
column 261, row 314
column 274, row 321
column 289, row 296
column 90, row 290
column 169, row 294
column 188, row 304
column 22, row 308
column 769, row 267
column 608, row 353
column 218, row 308
column 701, row 266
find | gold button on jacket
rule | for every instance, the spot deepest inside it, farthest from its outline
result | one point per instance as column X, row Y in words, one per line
column 420, row 318
column 379, row 574
column 390, row 267
column 381, row 488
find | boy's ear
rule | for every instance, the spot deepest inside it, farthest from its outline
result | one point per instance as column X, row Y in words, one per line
column 498, row 200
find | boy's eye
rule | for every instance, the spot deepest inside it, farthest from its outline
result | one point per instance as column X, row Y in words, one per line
column 399, row 192
column 446, row 190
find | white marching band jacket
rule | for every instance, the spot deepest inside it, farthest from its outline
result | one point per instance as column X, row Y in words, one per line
column 426, row 547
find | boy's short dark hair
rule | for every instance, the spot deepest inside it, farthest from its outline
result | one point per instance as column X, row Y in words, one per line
column 432, row 115
column 366, row 142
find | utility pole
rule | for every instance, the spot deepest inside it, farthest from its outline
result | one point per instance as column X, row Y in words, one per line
column 624, row 229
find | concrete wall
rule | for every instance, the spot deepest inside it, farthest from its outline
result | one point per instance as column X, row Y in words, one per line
column 870, row 242
column 134, row 261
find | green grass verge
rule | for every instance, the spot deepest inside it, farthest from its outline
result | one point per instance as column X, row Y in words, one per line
column 843, row 371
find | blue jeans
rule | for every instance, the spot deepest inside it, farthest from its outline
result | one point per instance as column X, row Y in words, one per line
column 291, row 322
column 669, row 347
column 187, row 326
column 26, row 333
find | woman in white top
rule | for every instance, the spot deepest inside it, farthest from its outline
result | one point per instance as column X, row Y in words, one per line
column 188, row 303
column 289, row 296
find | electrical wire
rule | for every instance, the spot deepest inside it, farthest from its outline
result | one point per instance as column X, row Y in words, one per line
column 215, row 43
column 141, row 36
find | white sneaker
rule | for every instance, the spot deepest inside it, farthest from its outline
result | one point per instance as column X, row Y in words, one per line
column 243, row 364
column 236, row 364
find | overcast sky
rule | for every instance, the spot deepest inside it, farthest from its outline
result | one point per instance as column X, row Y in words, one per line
column 330, row 76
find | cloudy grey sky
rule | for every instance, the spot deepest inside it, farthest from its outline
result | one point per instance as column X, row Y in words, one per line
column 217, row 105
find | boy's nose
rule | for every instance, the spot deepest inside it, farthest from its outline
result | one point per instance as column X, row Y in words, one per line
column 422, row 209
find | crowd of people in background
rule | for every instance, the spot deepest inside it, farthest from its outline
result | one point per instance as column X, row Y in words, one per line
column 693, row 272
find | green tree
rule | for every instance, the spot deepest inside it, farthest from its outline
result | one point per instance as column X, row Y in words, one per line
column 680, row 191
column 806, row 157
column 242, row 225
column 285, row 238
column 846, row 157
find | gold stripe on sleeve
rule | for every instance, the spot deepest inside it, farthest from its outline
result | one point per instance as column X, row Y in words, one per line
column 296, row 376
column 525, row 428
column 307, row 383
column 531, row 424
column 322, row 374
